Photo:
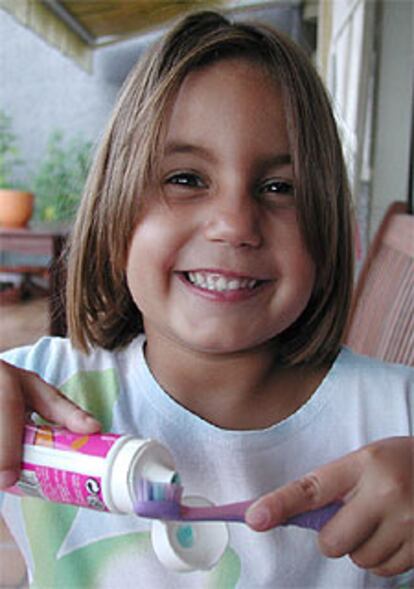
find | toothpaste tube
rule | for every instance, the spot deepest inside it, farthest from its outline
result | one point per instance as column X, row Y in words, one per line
column 98, row 471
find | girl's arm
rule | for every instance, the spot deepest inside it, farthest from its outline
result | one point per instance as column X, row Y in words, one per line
column 22, row 392
column 375, row 527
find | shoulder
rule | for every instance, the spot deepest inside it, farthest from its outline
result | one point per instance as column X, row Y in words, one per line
column 366, row 369
column 373, row 383
column 374, row 398
column 94, row 381
column 56, row 359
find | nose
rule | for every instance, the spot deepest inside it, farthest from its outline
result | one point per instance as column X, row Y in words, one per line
column 234, row 220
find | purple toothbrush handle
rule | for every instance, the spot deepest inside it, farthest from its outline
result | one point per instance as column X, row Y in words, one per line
column 315, row 519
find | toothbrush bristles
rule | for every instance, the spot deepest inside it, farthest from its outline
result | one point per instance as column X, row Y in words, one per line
column 158, row 500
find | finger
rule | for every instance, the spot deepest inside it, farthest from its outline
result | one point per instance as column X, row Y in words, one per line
column 22, row 390
column 49, row 402
column 379, row 546
column 353, row 525
column 11, row 428
column 400, row 562
column 324, row 485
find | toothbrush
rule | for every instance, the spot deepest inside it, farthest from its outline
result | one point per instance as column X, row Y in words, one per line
column 163, row 501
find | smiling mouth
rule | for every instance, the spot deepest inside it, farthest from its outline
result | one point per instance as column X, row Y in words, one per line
column 220, row 283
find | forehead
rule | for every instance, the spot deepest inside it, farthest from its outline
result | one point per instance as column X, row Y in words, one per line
column 231, row 96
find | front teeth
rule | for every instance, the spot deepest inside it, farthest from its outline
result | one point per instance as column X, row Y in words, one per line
column 219, row 282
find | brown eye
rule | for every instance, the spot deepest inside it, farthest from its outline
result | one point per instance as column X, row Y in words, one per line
column 185, row 179
column 277, row 187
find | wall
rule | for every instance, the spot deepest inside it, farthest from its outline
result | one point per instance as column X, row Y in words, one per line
column 43, row 90
column 393, row 114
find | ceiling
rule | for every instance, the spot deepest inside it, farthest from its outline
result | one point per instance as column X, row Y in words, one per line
column 99, row 22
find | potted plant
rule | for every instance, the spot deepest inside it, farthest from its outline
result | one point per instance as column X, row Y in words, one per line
column 60, row 178
column 16, row 205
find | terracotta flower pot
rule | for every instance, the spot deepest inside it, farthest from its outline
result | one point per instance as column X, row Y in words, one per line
column 16, row 207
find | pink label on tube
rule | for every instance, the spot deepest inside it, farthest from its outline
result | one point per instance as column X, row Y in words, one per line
column 60, row 486
column 58, row 483
column 62, row 439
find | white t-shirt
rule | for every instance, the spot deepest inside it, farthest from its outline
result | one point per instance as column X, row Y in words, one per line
column 360, row 400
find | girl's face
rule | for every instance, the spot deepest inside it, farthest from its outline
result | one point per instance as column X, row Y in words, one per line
column 217, row 263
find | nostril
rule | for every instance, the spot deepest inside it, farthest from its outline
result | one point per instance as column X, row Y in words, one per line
column 234, row 230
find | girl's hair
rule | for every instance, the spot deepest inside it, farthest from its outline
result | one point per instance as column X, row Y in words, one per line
column 100, row 308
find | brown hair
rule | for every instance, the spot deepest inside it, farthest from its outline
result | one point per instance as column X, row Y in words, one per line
column 100, row 308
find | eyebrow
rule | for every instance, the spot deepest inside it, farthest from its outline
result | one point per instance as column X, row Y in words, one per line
column 177, row 147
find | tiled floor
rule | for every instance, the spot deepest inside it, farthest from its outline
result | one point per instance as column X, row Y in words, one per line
column 19, row 324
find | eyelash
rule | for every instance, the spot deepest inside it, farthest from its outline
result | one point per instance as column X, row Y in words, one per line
column 186, row 180
column 192, row 180
column 283, row 187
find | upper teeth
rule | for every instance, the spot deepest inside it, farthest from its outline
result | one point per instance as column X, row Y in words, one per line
column 219, row 282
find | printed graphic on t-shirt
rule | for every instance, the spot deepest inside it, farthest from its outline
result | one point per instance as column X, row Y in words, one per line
column 75, row 548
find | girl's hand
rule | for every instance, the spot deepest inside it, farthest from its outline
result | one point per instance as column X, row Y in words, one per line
column 22, row 392
column 376, row 524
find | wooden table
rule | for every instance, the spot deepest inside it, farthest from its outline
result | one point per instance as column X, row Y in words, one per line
column 46, row 240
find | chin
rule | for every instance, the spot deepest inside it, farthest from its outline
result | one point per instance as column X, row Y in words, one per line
column 222, row 343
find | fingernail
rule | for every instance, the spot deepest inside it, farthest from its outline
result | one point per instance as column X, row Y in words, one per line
column 91, row 421
column 258, row 517
column 7, row 478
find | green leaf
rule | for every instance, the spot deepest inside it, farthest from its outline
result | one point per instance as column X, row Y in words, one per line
column 61, row 176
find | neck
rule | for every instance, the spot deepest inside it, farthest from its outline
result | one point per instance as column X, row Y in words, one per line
column 244, row 390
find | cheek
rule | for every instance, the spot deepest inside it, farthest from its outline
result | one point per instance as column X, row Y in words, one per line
column 298, row 266
column 293, row 253
column 139, row 260
column 304, row 271
column 308, row 275
column 150, row 256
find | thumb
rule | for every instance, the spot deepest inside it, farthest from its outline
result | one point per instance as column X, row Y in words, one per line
column 21, row 392
column 327, row 484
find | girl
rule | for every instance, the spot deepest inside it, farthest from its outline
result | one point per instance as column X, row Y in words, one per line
column 216, row 219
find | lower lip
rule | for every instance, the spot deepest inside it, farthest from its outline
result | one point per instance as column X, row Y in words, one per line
column 224, row 296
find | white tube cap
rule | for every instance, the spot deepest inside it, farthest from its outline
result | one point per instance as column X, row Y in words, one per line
column 189, row 546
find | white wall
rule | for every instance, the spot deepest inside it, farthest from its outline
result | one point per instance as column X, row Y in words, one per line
column 43, row 90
